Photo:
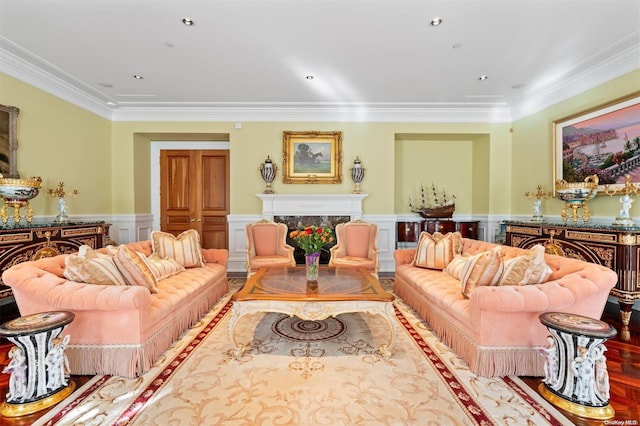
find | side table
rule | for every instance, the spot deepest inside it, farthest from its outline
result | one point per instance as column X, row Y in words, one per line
column 38, row 367
column 576, row 377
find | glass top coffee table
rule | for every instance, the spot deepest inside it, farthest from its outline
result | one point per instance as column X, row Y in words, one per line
column 337, row 291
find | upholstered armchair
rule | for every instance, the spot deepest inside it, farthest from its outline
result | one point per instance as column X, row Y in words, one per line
column 267, row 246
column 356, row 246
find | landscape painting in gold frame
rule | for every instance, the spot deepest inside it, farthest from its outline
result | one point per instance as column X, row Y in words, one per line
column 312, row 157
column 604, row 141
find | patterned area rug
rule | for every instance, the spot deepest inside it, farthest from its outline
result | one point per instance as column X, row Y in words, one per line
column 306, row 373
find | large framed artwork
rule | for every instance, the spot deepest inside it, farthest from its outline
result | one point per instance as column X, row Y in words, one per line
column 312, row 157
column 9, row 141
column 604, row 141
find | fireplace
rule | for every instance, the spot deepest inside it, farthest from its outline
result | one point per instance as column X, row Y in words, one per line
column 297, row 222
column 298, row 210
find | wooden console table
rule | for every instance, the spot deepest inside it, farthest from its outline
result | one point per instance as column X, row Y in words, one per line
column 409, row 232
column 615, row 247
column 22, row 242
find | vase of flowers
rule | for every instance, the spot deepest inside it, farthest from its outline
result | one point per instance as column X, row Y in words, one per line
column 312, row 239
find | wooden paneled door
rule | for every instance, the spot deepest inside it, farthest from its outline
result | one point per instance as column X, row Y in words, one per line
column 194, row 194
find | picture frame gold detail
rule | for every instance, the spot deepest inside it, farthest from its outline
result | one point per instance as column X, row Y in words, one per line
column 604, row 140
column 312, row 157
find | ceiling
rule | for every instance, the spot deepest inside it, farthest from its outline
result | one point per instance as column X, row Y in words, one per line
column 371, row 60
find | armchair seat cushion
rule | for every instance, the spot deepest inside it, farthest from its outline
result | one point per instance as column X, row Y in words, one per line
column 353, row 261
column 259, row 261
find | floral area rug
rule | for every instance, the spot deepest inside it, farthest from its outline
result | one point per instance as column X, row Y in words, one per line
column 299, row 372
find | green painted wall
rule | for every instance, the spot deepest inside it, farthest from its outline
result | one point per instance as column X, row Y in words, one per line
column 488, row 166
column 61, row 142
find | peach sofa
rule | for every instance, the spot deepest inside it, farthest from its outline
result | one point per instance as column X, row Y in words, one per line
column 119, row 330
column 496, row 331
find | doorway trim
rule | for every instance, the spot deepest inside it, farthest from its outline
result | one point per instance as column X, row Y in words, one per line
column 156, row 147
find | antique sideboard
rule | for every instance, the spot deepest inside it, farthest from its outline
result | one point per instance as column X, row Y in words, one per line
column 22, row 242
column 615, row 247
column 409, row 232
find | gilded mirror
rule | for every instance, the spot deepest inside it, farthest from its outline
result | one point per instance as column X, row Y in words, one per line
column 9, row 141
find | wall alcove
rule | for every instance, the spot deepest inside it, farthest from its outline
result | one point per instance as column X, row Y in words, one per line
column 458, row 162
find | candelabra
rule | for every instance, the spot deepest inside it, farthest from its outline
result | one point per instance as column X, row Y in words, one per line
column 268, row 172
column 629, row 189
column 357, row 174
column 60, row 193
column 539, row 195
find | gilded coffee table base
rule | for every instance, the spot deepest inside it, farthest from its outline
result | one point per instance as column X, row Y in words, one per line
column 312, row 311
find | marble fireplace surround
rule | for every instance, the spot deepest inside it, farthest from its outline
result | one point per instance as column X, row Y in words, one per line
column 310, row 207
column 321, row 210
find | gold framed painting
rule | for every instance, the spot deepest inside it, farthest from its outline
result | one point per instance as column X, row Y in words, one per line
column 604, row 141
column 312, row 157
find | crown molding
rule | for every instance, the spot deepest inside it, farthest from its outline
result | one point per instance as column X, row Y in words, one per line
column 276, row 112
column 26, row 67
column 598, row 72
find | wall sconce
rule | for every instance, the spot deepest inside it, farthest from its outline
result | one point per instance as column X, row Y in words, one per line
column 357, row 174
column 268, row 172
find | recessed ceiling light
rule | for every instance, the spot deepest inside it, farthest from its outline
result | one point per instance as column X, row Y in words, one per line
column 483, row 77
column 309, row 77
column 435, row 21
column 188, row 22
column 138, row 77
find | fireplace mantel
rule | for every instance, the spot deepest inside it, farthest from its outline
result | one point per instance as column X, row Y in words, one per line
column 312, row 205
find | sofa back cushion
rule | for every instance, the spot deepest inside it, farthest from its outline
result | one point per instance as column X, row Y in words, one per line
column 437, row 250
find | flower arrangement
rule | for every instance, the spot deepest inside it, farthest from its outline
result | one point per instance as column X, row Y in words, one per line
column 312, row 238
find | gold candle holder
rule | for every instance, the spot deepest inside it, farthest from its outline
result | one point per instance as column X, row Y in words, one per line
column 60, row 193
column 539, row 195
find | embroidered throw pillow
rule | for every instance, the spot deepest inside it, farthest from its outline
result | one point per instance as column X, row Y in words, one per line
column 481, row 269
column 529, row 268
column 92, row 267
column 184, row 249
column 437, row 250
column 163, row 268
column 134, row 268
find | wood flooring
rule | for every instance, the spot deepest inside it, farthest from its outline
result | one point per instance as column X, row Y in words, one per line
column 623, row 363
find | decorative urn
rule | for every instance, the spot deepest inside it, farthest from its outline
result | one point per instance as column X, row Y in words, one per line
column 268, row 172
column 17, row 193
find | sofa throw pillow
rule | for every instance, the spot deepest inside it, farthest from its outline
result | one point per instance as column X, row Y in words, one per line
column 163, row 268
column 529, row 268
column 91, row 267
column 184, row 249
column 481, row 269
column 437, row 250
column 454, row 268
column 134, row 268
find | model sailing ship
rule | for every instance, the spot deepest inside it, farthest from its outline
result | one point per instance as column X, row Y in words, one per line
column 434, row 203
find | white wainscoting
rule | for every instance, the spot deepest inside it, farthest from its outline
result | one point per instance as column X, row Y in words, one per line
column 238, row 240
